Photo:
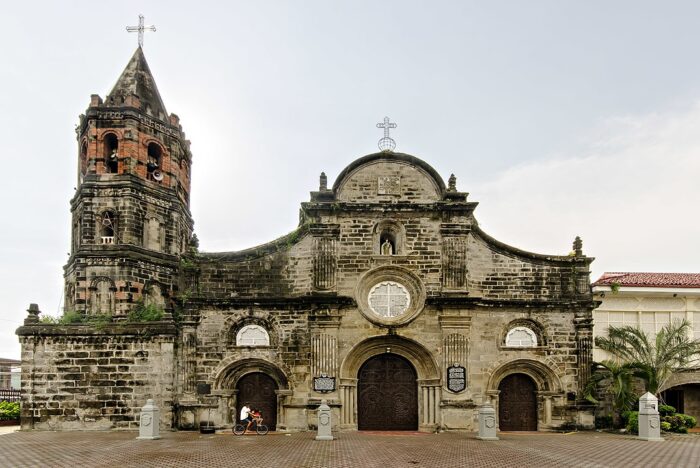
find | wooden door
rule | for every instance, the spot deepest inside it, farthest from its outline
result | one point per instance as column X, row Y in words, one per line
column 387, row 394
column 257, row 390
column 517, row 403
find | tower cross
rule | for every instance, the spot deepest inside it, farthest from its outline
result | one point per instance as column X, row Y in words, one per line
column 140, row 29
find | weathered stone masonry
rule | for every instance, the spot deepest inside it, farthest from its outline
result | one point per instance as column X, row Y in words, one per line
column 386, row 285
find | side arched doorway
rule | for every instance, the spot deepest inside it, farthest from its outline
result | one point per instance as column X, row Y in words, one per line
column 387, row 394
column 517, row 403
column 257, row 390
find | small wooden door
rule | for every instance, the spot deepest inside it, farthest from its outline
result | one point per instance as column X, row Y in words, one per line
column 517, row 403
column 387, row 395
column 257, row 390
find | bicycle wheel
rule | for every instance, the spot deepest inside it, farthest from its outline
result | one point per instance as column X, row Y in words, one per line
column 261, row 429
column 239, row 429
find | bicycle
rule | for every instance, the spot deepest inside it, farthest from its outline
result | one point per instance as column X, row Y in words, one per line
column 260, row 429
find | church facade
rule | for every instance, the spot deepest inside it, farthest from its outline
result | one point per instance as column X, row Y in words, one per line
column 388, row 301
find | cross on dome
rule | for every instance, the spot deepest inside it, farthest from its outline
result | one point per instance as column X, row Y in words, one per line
column 386, row 143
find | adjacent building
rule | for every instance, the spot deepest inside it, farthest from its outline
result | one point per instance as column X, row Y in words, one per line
column 650, row 301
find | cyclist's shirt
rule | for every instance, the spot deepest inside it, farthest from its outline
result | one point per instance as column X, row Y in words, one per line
column 245, row 412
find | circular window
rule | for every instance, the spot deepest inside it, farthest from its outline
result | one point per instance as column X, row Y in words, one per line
column 389, row 299
column 390, row 296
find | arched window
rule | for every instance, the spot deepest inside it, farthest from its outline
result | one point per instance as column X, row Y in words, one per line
column 108, row 228
column 153, row 165
column 521, row 337
column 111, row 153
column 252, row 335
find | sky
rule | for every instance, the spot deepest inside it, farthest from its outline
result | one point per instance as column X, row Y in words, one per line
column 561, row 118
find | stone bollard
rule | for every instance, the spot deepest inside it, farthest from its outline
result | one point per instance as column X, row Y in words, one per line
column 487, row 422
column 149, row 427
column 324, row 422
column 649, row 420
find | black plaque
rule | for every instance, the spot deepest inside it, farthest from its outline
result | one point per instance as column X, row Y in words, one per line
column 203, row 389
column 456, row 378
column 324, row 384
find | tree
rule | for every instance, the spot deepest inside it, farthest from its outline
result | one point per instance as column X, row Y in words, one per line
column 616, row 379
column 653, row 359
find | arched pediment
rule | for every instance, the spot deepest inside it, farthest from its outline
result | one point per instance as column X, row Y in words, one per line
column 387, row 176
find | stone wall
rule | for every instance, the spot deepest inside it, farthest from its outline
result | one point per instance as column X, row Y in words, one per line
column 77, row 378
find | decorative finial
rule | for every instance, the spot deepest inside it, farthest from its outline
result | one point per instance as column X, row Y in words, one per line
column 323, row 182
column 578, row 247
column 386, row 143
column 452, row 183
column 140, row 29
column 32, row 314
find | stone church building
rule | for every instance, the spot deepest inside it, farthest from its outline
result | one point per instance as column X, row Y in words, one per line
column 388, row 300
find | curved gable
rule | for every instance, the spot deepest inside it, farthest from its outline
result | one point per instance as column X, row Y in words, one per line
column 386, row 177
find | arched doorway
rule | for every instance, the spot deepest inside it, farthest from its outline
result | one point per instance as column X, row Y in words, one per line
column 517, row 403
column 387, row 394
column 257, row 390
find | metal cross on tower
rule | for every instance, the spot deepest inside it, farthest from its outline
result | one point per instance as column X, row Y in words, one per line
column 140, row 29
column 386, row 143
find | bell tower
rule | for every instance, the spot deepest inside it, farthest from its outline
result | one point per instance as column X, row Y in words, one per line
column 130, row 213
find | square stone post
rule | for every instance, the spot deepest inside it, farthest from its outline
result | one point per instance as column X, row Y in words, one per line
column 649, row 420
column 324, row 422
column 487, row 423
column 149, row 423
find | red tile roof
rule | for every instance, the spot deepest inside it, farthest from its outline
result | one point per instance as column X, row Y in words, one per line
column 651, row 280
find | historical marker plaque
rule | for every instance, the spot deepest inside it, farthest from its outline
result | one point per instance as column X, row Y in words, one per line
column 456, row 378
column 324, row 384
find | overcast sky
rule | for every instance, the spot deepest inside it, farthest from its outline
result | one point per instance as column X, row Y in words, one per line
column 560, row 118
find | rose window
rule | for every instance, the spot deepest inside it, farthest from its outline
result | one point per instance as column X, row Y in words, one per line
column 389, row 299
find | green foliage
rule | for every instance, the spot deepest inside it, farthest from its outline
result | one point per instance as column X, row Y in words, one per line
column 614, row 287
column 632, row 424
column 146, row 313
column 690, row 421
column 665, row 426
column 604, row 422
column 653, row 360
column 614, row 379
column 72, row 317
column 9, row 410
column 666, row 410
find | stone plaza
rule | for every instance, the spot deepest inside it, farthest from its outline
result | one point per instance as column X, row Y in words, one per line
column 352, row 449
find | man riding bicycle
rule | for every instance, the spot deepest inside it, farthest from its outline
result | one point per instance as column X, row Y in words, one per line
column 246, row 417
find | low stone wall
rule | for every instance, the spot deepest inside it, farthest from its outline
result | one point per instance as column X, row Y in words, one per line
column 77, row 377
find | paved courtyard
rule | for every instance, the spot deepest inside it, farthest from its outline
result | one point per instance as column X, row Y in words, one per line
column 351, row 449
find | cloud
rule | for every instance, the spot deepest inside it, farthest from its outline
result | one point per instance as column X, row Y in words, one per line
column 632, row 193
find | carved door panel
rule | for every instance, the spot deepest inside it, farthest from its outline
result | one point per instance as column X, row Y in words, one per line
column 257, row 390
column 517, row 403
column 387, row 394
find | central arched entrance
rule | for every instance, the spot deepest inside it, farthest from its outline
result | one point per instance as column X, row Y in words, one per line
column 387, row 394
column 257, row 390
column 517, row 403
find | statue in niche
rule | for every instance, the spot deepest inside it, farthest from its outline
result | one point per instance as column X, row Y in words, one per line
column 387, row 248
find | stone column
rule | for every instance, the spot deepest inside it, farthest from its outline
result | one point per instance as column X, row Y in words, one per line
column 348, row 398
column 649, row 420
column 548, row 409
column 430, row 403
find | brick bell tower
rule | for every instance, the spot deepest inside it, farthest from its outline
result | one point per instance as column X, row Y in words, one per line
column 130, row 214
